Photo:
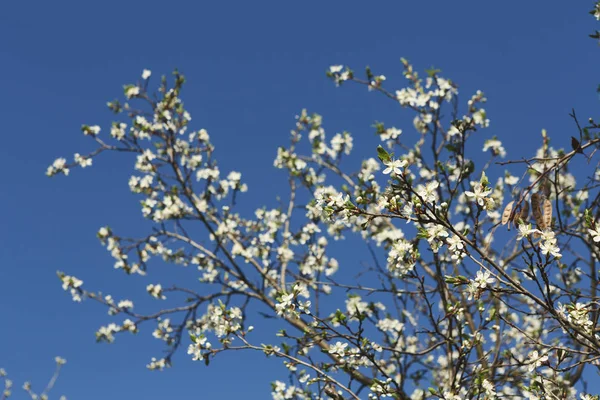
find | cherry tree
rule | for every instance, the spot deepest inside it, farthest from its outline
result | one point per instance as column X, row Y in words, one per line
column 483, row 275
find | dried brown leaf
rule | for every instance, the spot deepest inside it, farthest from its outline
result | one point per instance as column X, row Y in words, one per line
column 516, row 217
column 535, row 201
column 547, row 187
column 547, row 213
column 524, row 211
column 536, row 211
column 507, row 213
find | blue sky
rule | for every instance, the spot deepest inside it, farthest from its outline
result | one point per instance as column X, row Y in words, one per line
column 251, row 67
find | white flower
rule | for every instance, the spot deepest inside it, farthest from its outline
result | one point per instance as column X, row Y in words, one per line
column 70, row 282
column 456, row 246
column 285, row 254
column 482, row 279
column 285, row 303
column 595, row 234
column 59, row 165
column 90, row 130
column 132, row 91
column 338, row 348
column 339, row 76
column 525, row 230
column 479, row 193
column 83, row 161
column 157, row 364
column 436, row 231
column 455, row 243
column 496, row 147
column 155, row 291
column 337, row 200
column 107, row 332
column 200, row 343
column 428, row 193
column 548, row 244
column 60, row 360
column 390, row 133
column 453, row 131
column 125, row 304
column 535, row 360
column 488, row 387
column 129, row 325
column 394, row 166
column 511, row 180
column 118, row 130
column 103, row 232
column 471, row 290
column 479, row 117
column 146, row 74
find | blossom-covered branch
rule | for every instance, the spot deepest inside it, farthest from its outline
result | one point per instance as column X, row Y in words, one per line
column 478, row 277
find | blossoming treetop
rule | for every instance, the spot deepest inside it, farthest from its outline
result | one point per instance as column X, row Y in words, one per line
column 453, row 305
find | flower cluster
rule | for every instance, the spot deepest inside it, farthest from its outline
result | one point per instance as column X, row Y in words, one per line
column 73, row 285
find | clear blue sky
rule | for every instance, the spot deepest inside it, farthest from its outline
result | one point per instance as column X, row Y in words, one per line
column 251, row 66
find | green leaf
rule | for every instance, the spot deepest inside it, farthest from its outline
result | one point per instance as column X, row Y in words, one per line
column 379, row 127
column 369, row 73
column 451, row 148
column 484, row 180
column 339, row 315
column 469, row 168
column 587, row 214
column 382, row 154
column 432, row 71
